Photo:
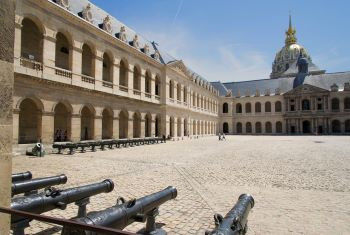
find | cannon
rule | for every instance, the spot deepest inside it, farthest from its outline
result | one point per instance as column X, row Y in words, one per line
column 125, row 213
column 235, row 221
column 52, row 199
column 31, row 186
column 23, row 176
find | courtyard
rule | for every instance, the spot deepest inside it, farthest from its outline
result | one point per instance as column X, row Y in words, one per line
column 301, row 184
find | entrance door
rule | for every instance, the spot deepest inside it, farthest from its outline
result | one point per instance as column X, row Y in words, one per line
column 306, row 127
column 320, row 129
column 292, row 129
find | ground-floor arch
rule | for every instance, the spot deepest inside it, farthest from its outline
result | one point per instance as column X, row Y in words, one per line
column 62, row 122
column 158, row 126
column 107, row 124
column 87, row 123
column 148, row 125
column 30, row 118
column 336, row 126
column 239, row 128
column 137, row 125
column 123, row 124
column 225, row 128
column 306, row 127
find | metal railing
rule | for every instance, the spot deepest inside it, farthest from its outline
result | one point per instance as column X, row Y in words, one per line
column 65, row 222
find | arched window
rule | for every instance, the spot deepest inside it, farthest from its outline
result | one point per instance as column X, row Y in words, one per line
column 268, row 107
column 157, row 91
column 279, row 127
column 258, row 107
column 278, row 106
column 258, row 128
column 225, row 128
column 347, row 126
column 248, row 127
column 268, row 127
column 62, row 56
column 107, row 68
column 185, row 95
column 171, row 89
column 137, row 78
column 238, row 108
column 87, row 61
column 306, row 104
column 123, row 73
column 239, row 128
column 31, row 41
column 248, row 108
column 347, row 103
column 336, row 126
column 148, row 82
column 29, row 122
column 225, row 108
column 178, row 91
column 335, row 104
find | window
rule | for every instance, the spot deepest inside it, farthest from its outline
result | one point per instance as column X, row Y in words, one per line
column 238, row 108
column 225, row 108
column 278, row 107
column 347, row 103
column 268, row 107
column 335, row 104
column 306, row 104
column 258, row 107
column 248, row 108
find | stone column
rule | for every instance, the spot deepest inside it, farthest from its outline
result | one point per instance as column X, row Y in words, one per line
column 182, row 124
column 18, row 37
column 49, row 49
column 116, row 124
column 76, row 127
column 131, row 80
column 143, row 125
column 15, row 117
column 131, row 125
column 77, row 63
column 7, row 32
column 115, row 73
column 167, row 125
column 153, row 125
column 98, row 127
column 175, row 127
column 47, row 131
column 143, row 83
column 153, row 85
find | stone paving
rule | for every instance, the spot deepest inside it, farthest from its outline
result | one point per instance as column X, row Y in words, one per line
column 301, row 184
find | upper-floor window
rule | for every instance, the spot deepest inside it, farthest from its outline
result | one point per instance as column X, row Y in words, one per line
column 238, row 108
column 157, row 91
column 137, row 78
column 107, row 68
column 278, row 106
column 148, row 82
column 305, row 104
column 335, row 104
column 268, row 107
column 62, row 56
column 258, row 107
column 178, row 92
column 347, row 103
column 171, row 89
column 248, row 108
column 87, row 61
column 123, row 73
column 225, row 108
column 31, row 41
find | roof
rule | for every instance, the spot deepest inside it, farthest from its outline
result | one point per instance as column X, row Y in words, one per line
column 283, row 85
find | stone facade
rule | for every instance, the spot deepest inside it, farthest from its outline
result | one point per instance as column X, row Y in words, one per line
column 77, row 81
column 7, row 10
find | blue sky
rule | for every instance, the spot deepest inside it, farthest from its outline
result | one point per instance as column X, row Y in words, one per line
column 231, row 40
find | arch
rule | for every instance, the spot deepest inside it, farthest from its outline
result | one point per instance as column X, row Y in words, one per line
column 157, row 85
column 248, row 127
column 268, row 127
column 305, row 104
column 336, row 126
column 148, row 125
column 267, row 107
column 347, row 103
column 194, row 129
column 306, row 127
column 158, row 126
column 225, row 128
column 238, row 108
column 136, row 125
column 335, row 104
column 148, row 82
column 258, row 107
column 88, row 61
column 87, row 123
column 179, row 125
column 171, row 89
column 178, row 91
column 123, row 72
column 32, row 39
column 225, row 108
column 279, row 128
column 107, row 71
column 278, row 106
column 62, row 122
column 63, row 53
column 239, row 128
column 258, row 128
column 107, row 123
column 347, row 126
column 137, row 78
column 186, row 132
column 123, row 124
column 248, row 108
column 30, row 118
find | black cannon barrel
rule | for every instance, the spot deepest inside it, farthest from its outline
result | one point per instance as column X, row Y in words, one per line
column 43, row 202
column 235, row 221
column 120, row 216
column 21, row 176
column 39, row 183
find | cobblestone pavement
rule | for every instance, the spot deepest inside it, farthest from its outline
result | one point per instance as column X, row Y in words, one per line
column 301, row 185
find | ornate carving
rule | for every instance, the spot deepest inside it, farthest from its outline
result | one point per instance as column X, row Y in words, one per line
column 334, row 87
column 107, row 24
column 87, row 13
column 122, row 34
column 146, row 49
column 63, row 3
column 135, row 42
column 156, row 55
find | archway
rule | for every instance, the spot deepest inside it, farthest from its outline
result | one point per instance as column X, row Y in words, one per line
column 158, row 126
column 107, row 124
column 185, row 127
column 347, row 126
column 279, row 127
column 258, row 128
column 148, row 82
column 248, row 128
column 87, row 124
column 278, row 106
column 88, row 61
column 137, row 125
column 123, row 124
column 225, row 108
column 225, row 128
column 336, row 126
column 158, row 85
column 62, row 123
column 137, row 78
column 268, row 127
column 306, row 127
column 194, row 129
column 179, row 127
column 238, row 108
column 107, row 68
column 62, row 56
column 31, row 41
column 239, row 128
column 268, row 107
column 29, row 122
column 123, row 73
column 258, row 107
column 171, row 123
column 248, row 108
column 335, row 104
column 148, row 125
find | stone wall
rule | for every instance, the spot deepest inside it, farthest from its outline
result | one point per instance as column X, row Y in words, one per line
column 7, row 21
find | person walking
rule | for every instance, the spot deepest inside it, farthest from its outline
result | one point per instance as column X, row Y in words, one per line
column 219, row 136
column 223, row 136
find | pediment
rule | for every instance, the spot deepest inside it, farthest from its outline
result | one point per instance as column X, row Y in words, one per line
column 306, row 89
column 180, row 67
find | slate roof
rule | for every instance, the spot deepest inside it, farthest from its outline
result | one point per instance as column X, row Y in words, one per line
column 284, row 85
column 98, row 15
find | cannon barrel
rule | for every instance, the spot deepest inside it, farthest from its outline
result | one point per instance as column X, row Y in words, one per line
column 34, row 184
column 52, row 199
column 18, row 177
column 120, row 216
column 235, row 221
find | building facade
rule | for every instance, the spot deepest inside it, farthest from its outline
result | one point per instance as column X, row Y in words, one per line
column 81, row 74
